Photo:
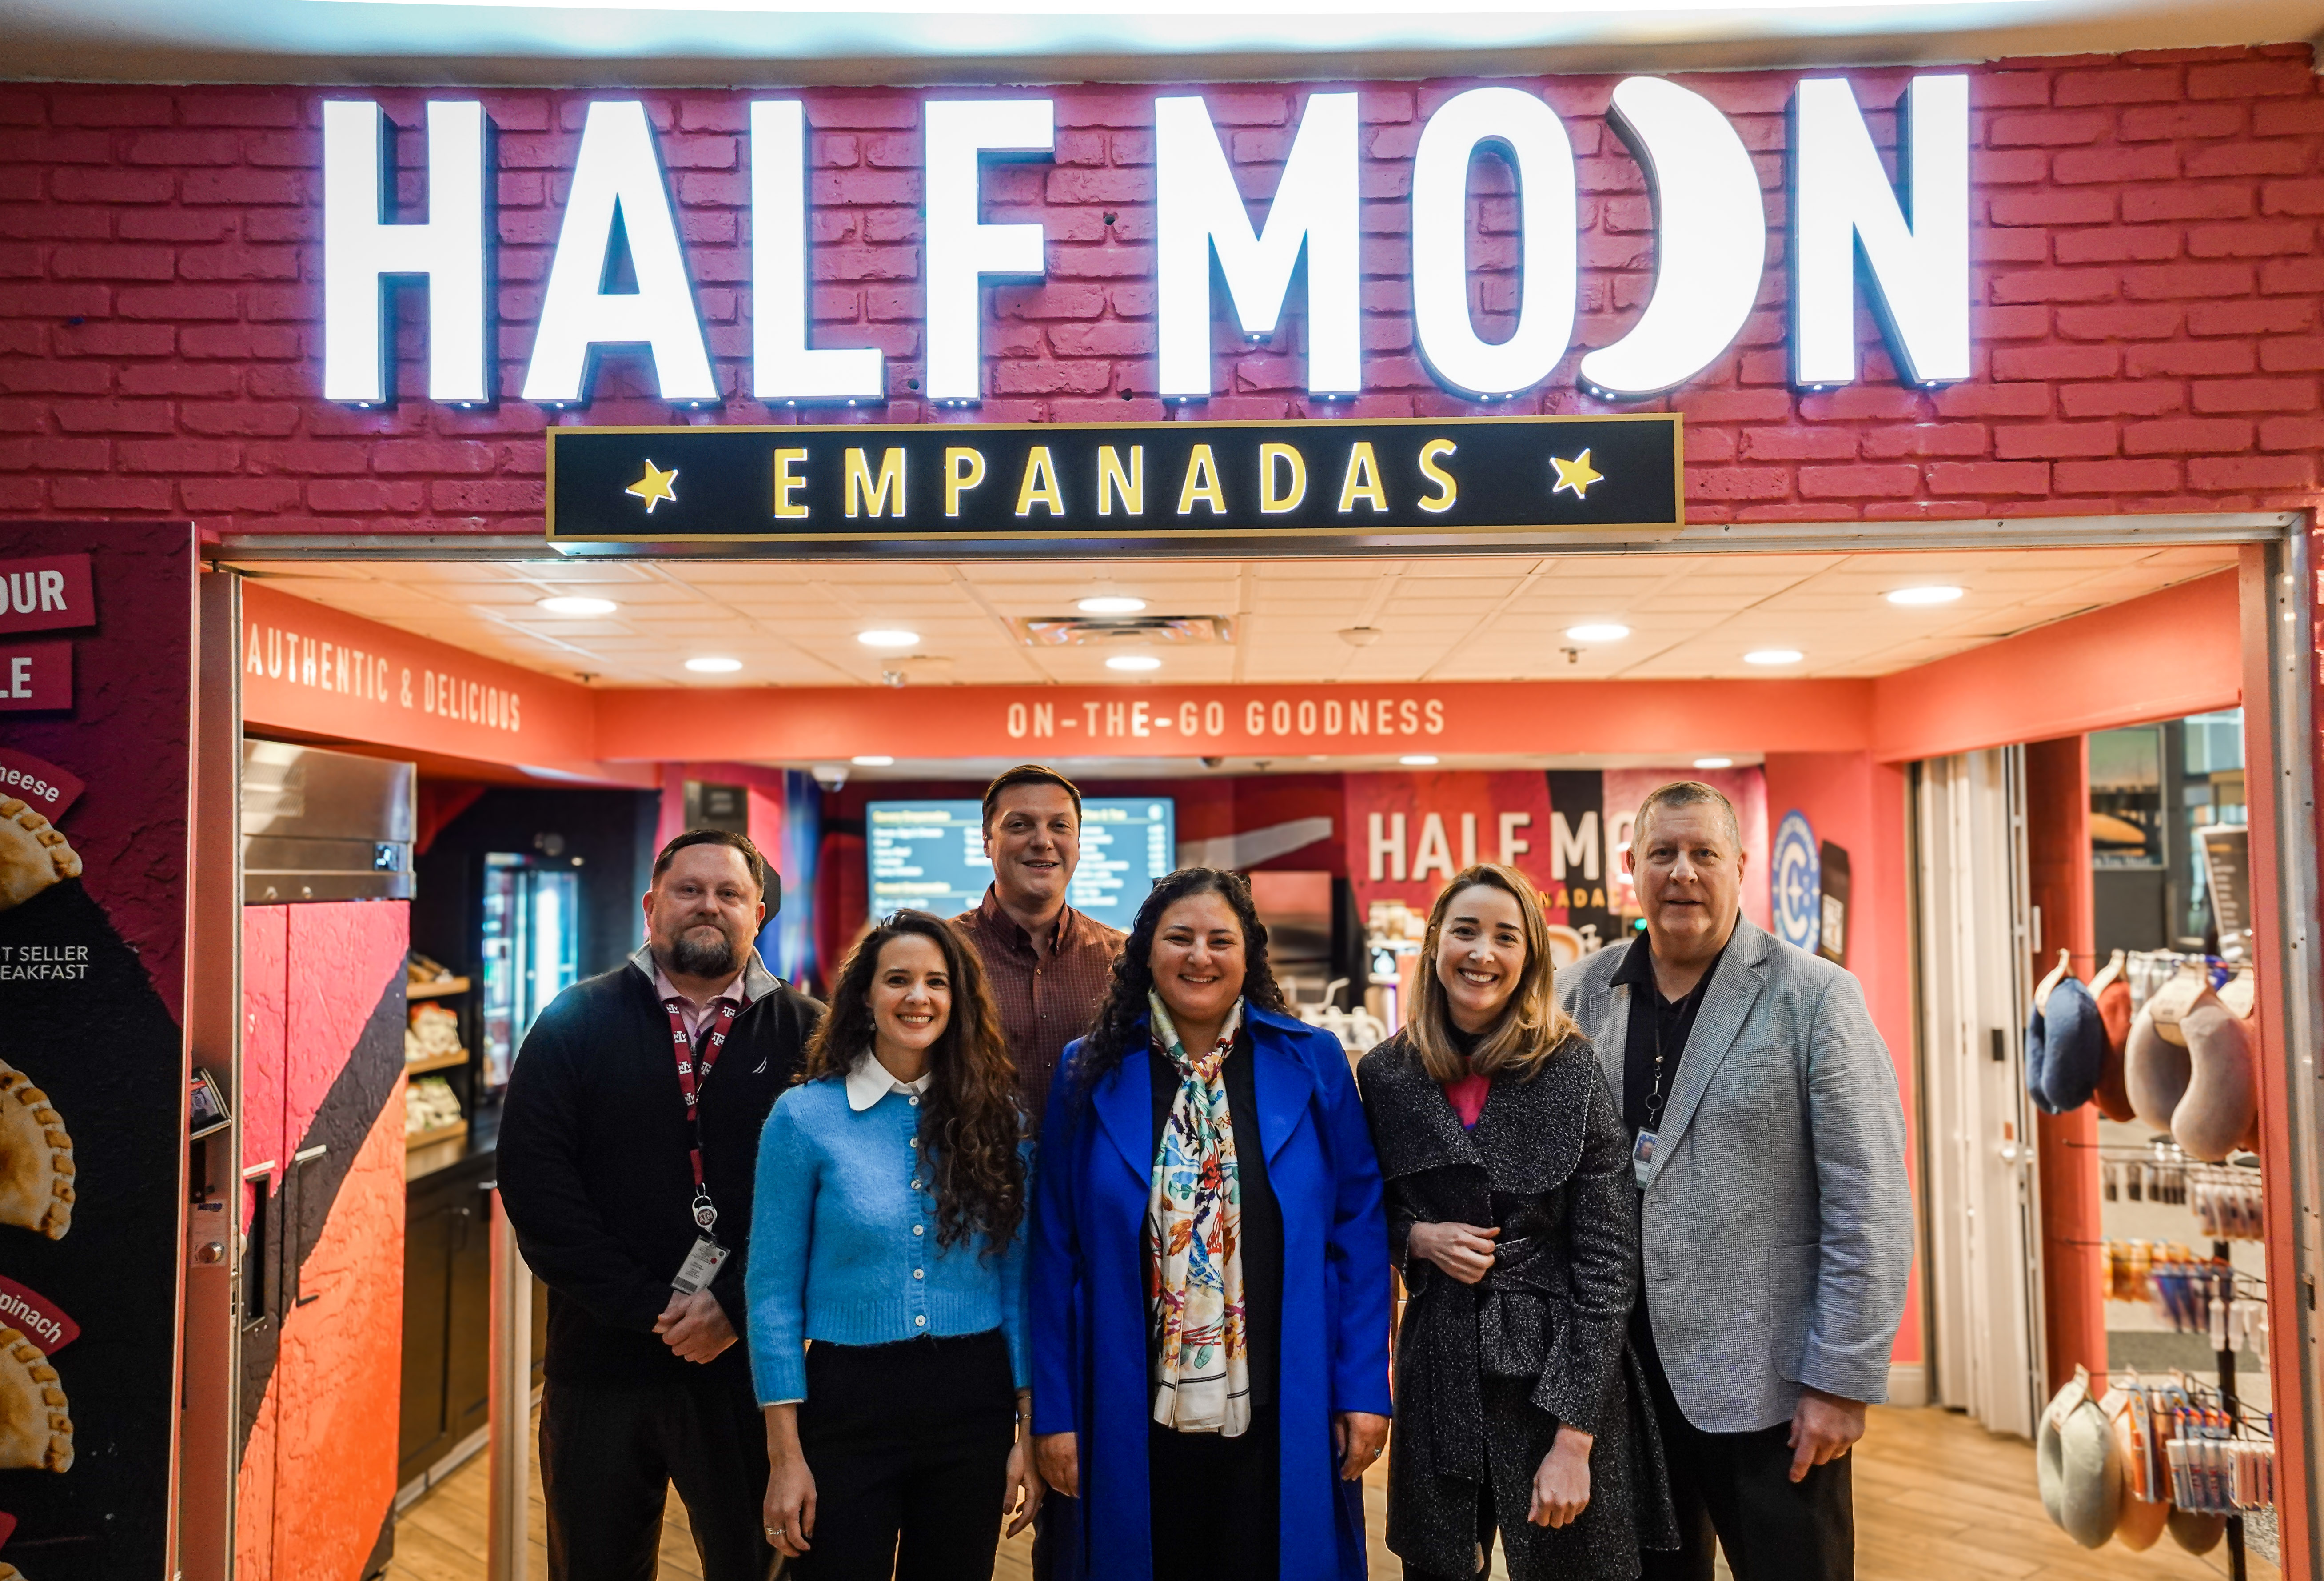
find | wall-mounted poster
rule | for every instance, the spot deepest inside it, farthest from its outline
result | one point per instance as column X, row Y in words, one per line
column 97, row 632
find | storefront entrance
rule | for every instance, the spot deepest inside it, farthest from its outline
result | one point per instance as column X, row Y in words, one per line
column 1374, row 719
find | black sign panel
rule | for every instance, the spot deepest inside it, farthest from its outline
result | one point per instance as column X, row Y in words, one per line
column 960, row 484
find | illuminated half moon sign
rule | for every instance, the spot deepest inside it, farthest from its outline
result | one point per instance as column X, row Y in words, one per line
column 1710, row 240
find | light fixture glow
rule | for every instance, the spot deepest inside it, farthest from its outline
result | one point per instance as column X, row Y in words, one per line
column 1930, row 595
column 1199, row 211
column 1714, row 763
column 618, row 170
column 1418, row 760
column 1110, row 604
column 872, row 760
column 887, row 639
column 962, row 252
column 1133, row 661
column 711, row 664
column 1774, row 656
column 1710, row 239
column 574, row 604
column 1609, row 632
column 1918, row 270
column 1541, row 154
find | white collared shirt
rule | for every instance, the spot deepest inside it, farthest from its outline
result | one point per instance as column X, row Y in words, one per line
column 870, row 1081
column 699, row 1014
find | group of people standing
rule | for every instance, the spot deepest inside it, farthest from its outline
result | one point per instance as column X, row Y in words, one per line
column 1042, row 1224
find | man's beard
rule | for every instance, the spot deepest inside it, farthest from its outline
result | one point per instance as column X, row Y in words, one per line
column 704, row 953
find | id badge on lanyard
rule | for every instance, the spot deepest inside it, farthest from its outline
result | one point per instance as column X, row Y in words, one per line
column 702, row 1263
column 1642, row 1158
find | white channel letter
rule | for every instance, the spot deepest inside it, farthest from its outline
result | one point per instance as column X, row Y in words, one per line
column 1710, row 240
column 361, row 249
column 783, row 365
column 1199, row 208
column 1529, row 133
column 963, row 252
column 618, row 170
column 1918, row 268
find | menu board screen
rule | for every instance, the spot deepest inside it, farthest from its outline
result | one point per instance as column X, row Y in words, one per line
column 929, row 856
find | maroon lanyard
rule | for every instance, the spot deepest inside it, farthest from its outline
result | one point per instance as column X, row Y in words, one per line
column 689, row 1084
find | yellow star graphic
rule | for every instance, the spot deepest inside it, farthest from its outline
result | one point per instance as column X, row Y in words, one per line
column 1577, row 475
column 655, row 487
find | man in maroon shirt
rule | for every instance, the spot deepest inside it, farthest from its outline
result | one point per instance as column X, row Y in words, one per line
column 1048, row 965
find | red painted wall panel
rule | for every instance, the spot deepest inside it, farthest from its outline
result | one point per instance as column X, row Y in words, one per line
column 2148, row 282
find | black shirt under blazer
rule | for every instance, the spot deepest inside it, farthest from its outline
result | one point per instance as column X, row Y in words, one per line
column 594, row 1166
column 1486, row 1372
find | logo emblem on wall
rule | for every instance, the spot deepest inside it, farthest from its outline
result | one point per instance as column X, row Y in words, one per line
column 1796, row 883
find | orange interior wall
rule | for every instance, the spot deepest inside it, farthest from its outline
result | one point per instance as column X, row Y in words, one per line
column 2066, row 1146
column 1859, row 805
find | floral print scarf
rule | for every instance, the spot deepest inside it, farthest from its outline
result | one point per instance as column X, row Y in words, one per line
column 1194, row 1240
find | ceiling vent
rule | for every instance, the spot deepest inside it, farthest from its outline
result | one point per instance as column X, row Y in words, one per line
column 1093, row 631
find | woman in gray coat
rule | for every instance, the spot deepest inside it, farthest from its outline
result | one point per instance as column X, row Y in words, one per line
column 1512, row 1217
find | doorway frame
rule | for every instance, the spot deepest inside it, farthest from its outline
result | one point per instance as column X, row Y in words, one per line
column 2277, row 601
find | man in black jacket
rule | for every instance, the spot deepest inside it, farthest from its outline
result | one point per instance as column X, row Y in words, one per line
column 609, row 1179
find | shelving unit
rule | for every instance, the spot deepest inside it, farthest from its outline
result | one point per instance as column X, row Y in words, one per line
column 440, row 990
column 452, row 1061
column 419, row 1139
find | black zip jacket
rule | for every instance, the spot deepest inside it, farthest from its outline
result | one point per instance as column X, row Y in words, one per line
column 593, row 1170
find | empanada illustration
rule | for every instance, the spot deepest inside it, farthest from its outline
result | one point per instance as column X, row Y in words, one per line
column 35, row 1425
column 36, row 1159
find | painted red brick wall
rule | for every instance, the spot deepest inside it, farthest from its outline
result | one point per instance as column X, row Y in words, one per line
column 2146, row 264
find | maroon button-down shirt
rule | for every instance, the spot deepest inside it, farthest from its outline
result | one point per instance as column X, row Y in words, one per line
column 1047, row 997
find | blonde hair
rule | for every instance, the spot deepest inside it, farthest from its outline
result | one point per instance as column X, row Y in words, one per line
column 1532, row 1026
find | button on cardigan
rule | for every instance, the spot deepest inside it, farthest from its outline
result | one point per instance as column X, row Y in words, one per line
column 843, row 1247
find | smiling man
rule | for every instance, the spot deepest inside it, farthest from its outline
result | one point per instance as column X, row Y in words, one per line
column 628, row 1150
column 1047, row 962
column 1768, row 1148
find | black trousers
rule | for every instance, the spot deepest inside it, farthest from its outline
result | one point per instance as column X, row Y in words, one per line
column 1216, row 1502
column 1735, row 1491
column 908, row 1446
column 609, row 1453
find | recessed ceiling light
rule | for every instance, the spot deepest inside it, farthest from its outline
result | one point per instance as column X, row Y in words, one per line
column 574, row 604
column 714, row 665
column 1930, row 595
column 1609, row 631
column 1133, row 661
column 887, row 639
column 872, row 760
column 1774, row 656
column 1714, row 763
column 1110, row 604
column 1418, row 760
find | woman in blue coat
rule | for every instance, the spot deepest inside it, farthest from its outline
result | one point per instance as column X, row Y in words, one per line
column 1209, row 1288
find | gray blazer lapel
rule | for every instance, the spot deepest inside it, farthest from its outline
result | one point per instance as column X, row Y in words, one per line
column 1725, row 1008
column 1605, row 1016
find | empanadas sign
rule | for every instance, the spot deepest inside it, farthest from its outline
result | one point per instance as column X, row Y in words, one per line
column 40, row 1320
column 51, row 593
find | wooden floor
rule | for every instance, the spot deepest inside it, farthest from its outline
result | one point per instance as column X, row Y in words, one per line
column 1936, row 1495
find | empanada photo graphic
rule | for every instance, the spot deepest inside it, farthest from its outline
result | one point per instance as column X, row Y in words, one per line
column 35, row 1425
column 36, row 1159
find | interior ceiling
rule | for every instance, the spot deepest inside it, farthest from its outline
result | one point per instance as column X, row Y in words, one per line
column 618, row 43
column 1437, row 619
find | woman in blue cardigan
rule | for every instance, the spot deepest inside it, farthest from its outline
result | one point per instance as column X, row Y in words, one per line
column 1210, row 1279
column 886, row 1283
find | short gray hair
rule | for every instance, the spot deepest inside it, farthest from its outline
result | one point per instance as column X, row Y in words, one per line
column 1681, row 793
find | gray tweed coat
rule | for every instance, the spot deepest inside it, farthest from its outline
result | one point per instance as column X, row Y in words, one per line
column 1484, row 1373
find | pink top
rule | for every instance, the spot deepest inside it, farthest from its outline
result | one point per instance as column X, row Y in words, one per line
column 1467, row 1097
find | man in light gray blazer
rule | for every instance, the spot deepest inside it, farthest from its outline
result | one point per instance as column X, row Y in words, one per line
column 1776, row 1220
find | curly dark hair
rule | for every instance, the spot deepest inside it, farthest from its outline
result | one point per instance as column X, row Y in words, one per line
column 970, row 1126
column 1110, row 1038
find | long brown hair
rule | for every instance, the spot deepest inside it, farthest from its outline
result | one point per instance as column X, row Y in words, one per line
column 1533, row 1026
column 969, row 1122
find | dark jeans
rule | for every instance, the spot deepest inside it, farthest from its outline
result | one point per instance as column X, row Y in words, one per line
column 1216, row 1503
column 1735, row 1490
column 609, row 1453
column 908, row 1445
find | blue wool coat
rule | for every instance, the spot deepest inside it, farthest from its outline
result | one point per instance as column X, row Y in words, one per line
column 1088, row 1296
